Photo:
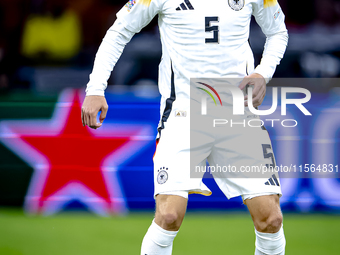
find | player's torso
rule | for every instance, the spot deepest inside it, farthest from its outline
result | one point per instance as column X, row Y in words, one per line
column 210, row 36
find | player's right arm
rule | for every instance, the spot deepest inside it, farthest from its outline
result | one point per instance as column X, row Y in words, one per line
column 135, row 15
column 269, row 16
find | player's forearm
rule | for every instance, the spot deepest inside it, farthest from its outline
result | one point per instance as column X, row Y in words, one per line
column 107, row 56
column 274, row 50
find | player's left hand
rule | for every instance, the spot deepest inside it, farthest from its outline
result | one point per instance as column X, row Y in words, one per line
column 259, row 88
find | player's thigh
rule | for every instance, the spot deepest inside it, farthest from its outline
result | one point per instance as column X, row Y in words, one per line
column 248, row 149
column 177, row 157
column 170, row 211
column 265, row 212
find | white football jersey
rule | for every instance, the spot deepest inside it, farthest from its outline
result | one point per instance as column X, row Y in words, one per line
column 199, row 39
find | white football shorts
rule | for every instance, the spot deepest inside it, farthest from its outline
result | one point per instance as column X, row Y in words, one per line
column 239, row 154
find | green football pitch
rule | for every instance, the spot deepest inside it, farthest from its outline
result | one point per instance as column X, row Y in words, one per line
column 201, row 234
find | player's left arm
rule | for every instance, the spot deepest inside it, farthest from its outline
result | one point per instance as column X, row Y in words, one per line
column 268, row 14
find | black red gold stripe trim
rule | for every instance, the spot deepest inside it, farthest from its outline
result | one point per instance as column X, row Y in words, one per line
column 168, row 103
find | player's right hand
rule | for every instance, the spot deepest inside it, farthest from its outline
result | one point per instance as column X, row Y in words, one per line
column 259, row 83
column 92, row 105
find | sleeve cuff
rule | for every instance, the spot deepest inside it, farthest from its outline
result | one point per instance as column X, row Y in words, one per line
column 94, row 92
column 266, row 72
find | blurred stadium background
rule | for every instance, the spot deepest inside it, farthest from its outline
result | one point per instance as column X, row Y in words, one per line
column 47, row 48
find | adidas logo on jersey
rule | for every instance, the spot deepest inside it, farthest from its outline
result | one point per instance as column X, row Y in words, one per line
column 185, row 6
column 273, row 181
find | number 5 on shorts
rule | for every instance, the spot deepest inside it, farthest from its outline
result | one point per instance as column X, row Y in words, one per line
column 265, row 148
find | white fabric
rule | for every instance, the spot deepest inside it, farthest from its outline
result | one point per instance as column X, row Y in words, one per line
column 183, row 35
column 158, row 241
column 270, row 243
column 257, row 252
column 184, row 194
column 185, row 146
column 251, row 196
column 279, row 43
column 107, row 56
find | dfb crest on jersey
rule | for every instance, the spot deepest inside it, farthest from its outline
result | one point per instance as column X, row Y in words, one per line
column 162, row 176
column 236, row 5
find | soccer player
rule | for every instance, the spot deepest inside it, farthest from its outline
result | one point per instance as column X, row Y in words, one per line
column 199, row 39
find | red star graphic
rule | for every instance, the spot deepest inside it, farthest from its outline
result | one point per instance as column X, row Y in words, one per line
column 71, row 161
column 75, row 155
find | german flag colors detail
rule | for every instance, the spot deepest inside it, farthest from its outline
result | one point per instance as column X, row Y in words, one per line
column 145, row 2
column 269, row 3
column 213, row 90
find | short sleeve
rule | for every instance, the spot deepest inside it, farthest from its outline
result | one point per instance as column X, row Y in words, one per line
column 268, row 14
column 137, row 14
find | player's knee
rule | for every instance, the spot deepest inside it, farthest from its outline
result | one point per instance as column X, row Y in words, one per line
column 269, row 224
column 275, row 224
column 170, row 221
